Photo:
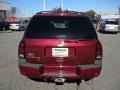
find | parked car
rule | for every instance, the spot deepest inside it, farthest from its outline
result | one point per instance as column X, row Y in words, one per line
column 15, row 25
column 4, row 25
column 119, row 25
column 109, row 26
column 60, row 46
column 23, row 25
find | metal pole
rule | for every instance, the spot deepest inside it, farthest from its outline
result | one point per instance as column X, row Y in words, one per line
column 62, row 5
column 44, row 6
column 119, row 12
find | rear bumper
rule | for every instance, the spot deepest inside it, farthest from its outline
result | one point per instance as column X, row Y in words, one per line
column 14, row 27
column 67, row 72
column 111, row 30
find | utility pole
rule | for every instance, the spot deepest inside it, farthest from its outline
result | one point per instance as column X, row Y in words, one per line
column 44, row 5
column 62, row 5
column 119, row 10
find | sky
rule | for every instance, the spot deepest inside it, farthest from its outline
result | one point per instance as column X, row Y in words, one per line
column 30, row 7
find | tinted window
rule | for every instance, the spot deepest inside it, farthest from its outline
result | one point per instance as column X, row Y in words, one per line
column 112, row 22
column 60, row 27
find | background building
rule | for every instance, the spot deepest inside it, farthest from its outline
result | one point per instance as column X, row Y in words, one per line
column 110, row 16
column 5, row 10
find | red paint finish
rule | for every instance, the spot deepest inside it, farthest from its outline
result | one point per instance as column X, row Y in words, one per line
column 80, row 53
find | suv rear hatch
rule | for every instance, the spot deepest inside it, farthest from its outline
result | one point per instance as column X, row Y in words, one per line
column 59, row 51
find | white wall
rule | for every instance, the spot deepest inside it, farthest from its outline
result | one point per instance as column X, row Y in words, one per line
column 110, row 16
column 4, row 6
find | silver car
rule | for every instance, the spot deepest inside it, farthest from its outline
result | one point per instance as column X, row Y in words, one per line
column 109, row 26
column 23, row 25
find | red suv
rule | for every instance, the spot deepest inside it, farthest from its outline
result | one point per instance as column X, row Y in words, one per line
column 60, row 46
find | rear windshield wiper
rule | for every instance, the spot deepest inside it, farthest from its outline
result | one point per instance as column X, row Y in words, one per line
column 76, row 40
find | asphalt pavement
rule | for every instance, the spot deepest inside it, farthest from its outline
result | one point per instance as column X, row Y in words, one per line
column 11, row 79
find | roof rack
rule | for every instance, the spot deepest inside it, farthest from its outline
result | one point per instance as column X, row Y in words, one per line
column 67, row 12
column 42, row 12
column 74, row 12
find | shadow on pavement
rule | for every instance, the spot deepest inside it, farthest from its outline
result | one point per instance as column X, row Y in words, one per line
column 104, row 32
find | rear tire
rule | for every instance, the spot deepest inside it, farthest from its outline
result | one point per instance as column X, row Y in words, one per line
column 115, row 32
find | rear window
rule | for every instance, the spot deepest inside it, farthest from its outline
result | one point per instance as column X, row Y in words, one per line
column 112, row 22
column 63, row 27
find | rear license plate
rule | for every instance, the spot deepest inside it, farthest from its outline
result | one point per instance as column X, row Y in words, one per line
column 60, row 52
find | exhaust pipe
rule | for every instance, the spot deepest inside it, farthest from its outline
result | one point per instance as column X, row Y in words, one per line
column 59, row 80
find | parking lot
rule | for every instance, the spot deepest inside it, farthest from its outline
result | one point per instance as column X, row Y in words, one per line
column 11, row 79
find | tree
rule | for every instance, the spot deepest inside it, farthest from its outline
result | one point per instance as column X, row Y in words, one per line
column 57, row 10
column 97, row 17
column 91, row 14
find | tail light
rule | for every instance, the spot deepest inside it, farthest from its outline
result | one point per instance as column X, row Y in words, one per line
column 21, row 53
column 99, row 53
column 21, row 49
